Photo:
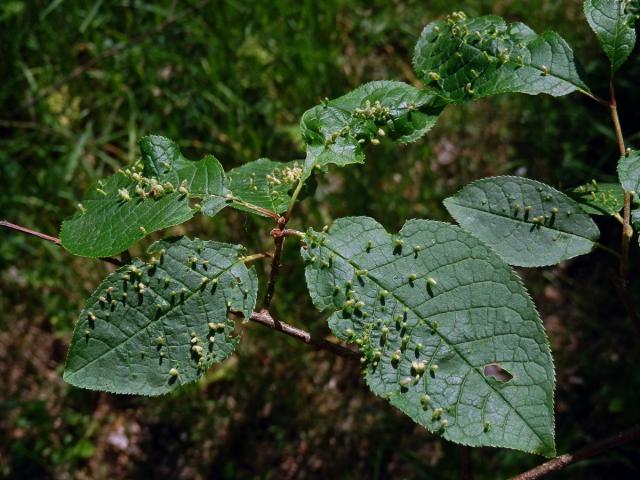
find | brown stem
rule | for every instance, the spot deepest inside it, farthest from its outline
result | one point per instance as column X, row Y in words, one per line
column 49, row 238
column 28, row 231
column 278, row 238
column 627, row 230
column 592, row 450
column 263, row 317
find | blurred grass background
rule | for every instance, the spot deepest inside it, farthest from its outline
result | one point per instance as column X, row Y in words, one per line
column 82, row 81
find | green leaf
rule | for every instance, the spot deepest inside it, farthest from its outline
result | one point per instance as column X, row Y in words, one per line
column 629, row 172
column 107, row 223
column 336, row 131
column 438, row 316
column 464, row 59
column 204, row 179
column 528, row 223
column 133, row 203
column 264, row 183
column 613, row 23
column 149, row 318
column 596, row 198
column 635, row 220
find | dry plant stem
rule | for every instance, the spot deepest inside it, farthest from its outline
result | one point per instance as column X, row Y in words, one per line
column 590, row 451
column 627, row 231
column 264, row 317
column 49, row 238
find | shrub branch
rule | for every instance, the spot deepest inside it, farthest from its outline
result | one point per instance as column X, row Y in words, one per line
column 589, row 451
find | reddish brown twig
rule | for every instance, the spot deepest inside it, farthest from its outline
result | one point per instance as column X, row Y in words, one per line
column 278, row 238
column 263, row 317
column 28, row 231
column 592, row 450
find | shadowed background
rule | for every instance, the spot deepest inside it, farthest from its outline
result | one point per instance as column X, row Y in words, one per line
column 82, row 81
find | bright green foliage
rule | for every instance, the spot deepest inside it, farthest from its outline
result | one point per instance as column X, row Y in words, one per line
column 447, row 331
column 464, row 59
column 113, row 216
column 629, row 172
column 613, row 23
column 151, row 327
column 204, row 179
column 336, row 131
column 596, row 198
column 264, row 183
column 528, row 223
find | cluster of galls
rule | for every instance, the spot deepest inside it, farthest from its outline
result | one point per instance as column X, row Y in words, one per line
column 286, row 176
column 149, row 186
column 548, row 219
column 597, row 195
column 135, row 276
column 418, row 368
column 377, row 339
column 497, row 46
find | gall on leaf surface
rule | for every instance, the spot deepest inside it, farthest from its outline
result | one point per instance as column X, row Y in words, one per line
column 613, row 22
column 599, row 198
column 463, row 59
column 448, row 333
column 528, row 223
column 336, row 131
column 204, row 179
column 152, row 327
column 113, row 217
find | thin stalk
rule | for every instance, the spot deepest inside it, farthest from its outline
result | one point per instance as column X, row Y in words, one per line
column 294, row 197
column 256, row 256
column 256, row 208
column 290, row 232
column 278, row 239
column 592, row 96
column 590, row 451
column 608, row 250
column 627, row 230
column 263, row 317
column 28, row 231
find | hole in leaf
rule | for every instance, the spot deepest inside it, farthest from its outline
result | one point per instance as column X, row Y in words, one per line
column 497, row 372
